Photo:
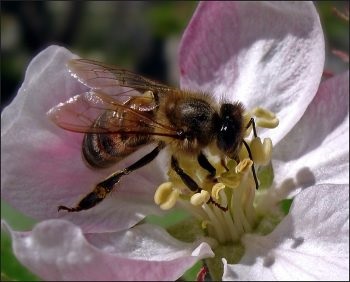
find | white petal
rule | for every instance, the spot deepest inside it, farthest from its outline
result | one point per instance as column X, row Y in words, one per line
column 58, row 250
column 268, row 54
column 311, row 243
column 316, row 151
column 42, row 166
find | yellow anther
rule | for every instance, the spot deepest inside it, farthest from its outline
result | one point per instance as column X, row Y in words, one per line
column 243, row 153
column 256, row 148
column 166, row 196
column 263, row 113
column 231, row 165
column 244, row 166
column 216, row 189
column 231, row 181
column 261, row 151
column 201, row 198
column 267, row 123
column 230, row 178
column 267, row 147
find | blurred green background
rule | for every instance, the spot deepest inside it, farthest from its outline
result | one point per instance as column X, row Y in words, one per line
column 140, row 36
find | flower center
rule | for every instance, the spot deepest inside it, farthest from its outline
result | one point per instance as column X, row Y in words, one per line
column 225, row 205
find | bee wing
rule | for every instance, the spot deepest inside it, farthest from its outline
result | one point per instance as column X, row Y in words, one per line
column 100, row 76
column 80, row 112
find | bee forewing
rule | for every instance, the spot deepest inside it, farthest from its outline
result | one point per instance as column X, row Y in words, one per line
column 79, row 112
column 92, row 75
column 110, row 79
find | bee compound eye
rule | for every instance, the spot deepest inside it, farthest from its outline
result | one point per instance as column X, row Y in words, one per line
column 226, row 136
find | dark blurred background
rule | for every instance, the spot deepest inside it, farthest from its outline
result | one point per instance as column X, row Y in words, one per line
column 140, row 36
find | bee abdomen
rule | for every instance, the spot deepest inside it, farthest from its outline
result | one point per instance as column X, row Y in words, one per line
column 101, row 150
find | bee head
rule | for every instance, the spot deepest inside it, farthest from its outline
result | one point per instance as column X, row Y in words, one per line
column 230, row 130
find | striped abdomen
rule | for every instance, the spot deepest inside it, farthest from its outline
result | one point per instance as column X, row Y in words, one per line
column 102, row 150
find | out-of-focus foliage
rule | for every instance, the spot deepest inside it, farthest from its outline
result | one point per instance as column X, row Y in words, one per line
column 336, row 29
column 11, row 269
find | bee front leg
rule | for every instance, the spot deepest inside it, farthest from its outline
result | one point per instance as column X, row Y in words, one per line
column 252, row 123
column 189, row 182
column 204, row 163
column 253, row 168
column 105, row 187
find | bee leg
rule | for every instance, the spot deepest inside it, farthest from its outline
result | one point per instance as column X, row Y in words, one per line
column 103, row 188
column 253, row 168
column 252, row 123
column 204, row 163
column 189, row 182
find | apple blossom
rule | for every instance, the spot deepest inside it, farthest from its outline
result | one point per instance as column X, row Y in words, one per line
column 270, row 56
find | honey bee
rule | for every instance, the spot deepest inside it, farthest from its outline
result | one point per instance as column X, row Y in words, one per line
column 124, row 111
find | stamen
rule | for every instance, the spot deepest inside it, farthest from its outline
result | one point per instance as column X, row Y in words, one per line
column 223, row 203
column 261, row 151
column 238, row 215
column 244, row 166
column 166, row 196
column 227, row 220
column 265, row 118
column 216, row 189
column 262, row 113
column 201, row 198
column 267, row 123
column 217, row 228
column 232, row 227
column 230, row 178
column 248, row 203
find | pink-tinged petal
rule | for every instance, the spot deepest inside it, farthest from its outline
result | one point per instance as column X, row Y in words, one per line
column 316, row 150
column 311, row 243
column 268, row 54
column 58, row 250
column 42, row 166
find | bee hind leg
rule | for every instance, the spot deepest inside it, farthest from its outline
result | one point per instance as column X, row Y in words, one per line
column 96, row 196
column 105, row 187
